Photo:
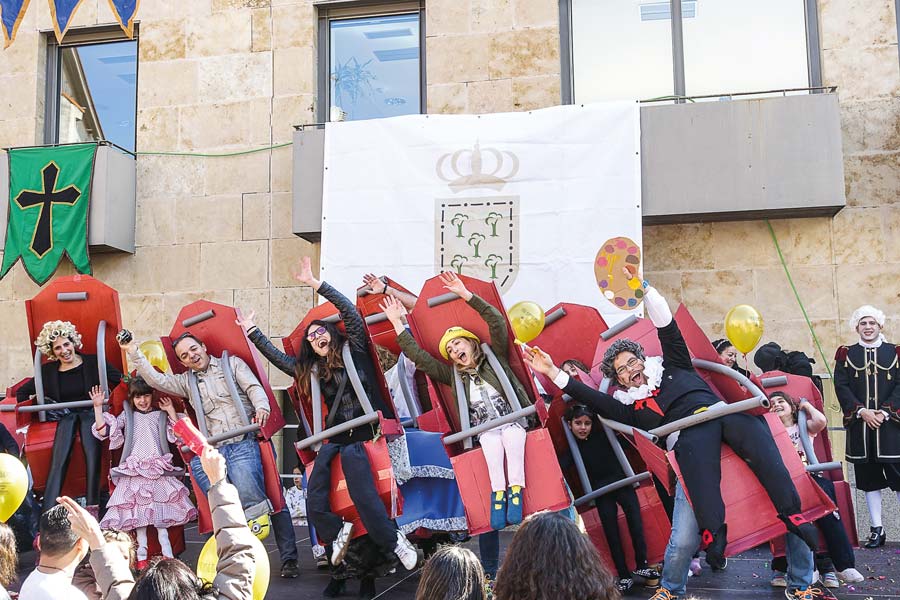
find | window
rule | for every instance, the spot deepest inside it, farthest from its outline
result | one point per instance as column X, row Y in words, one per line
column 623, row 49
column 92, row 90
column 370, row 62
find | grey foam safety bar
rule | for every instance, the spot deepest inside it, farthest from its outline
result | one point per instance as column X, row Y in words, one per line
column 713, row 412
column 617, row 450
column 101, row 357
column 227, row 435
column 376, row 318
column 39, row 383
column 231, row 384
column 776, row 381
column 442, row 299
column 36, row 408
column 320, row 437
column 487, row 426
column 196, row 402
column 554, row 316
column 612, row 487
column 462, row 408
column 412, row 403
column 71, row 296
column 716, row 367
column 335, row 318
column 619, row 327
column 813, row 464
column 353, row 374
column 209, row 314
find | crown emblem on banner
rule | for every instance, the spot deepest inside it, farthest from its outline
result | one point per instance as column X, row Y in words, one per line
column 500, row 168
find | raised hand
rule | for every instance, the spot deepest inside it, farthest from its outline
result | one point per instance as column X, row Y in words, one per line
column 83, row 523
column 96, row 396
column 394, row 310
column 374, row 284
column 540, row 361
column 246, row 321
column 262, row 417
column 455, row 285
column 165, row 405
column 305, row 274
column 126, row 340
column 213, row 465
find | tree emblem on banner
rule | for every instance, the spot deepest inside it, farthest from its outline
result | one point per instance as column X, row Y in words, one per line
column 49, row 196
column 478, row 235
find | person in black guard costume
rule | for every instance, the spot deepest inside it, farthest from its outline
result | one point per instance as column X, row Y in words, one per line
column 865, row 380
column 68, row 377
column 322, row 351
column 602, row 469
column 658, row 390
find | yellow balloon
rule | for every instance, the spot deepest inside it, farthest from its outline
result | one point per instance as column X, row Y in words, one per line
column 206, row 566
column 743, row 327
column 156, row 354
column 13, row 485
column 527, row 320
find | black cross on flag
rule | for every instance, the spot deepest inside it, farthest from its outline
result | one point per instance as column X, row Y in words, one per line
column 49, row 189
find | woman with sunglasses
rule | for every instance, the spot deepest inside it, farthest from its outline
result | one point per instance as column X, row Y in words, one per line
column 320, row 354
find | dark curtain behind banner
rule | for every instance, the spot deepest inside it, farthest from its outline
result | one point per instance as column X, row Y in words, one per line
column 49, row 195
column 11, row 13
column 125, row 11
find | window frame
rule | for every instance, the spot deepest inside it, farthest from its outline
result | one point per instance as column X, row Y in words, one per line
column 87, row 36
column 339, row 9
column 567, row 59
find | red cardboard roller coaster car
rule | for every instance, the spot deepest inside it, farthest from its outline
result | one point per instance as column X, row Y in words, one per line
column 214, row 324
column 311, row 415
column 751, row 518
column 572, row 331
column 545, row 489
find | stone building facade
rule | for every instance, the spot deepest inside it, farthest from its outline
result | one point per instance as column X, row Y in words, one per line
column 228, row 75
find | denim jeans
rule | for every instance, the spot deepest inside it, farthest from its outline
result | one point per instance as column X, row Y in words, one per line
column 244, row 472
column 685, row 540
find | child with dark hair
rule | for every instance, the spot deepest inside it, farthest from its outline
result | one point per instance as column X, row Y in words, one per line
column 147, row 491
column 452, row 573
column 9, row 559
column 839, row 564
column 61, row 551
column 602, row 469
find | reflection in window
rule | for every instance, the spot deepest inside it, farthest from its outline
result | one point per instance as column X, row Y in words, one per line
column 374, row 66
column 97, row 93
column 739, row 46
column 621, row 50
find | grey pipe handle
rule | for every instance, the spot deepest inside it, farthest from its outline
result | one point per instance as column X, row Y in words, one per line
column 579, row 460
column 492, row 424
column 442, row 299
column 197, row 402
column 128, row 446
column 353, row 374
column 101, row 357
column 612, row 487
column 71, row 296
column 231, row 384
column 462, row 406
column 412, row 403
column 320, row 437
column 711, row 413
column 776, row 381
column 819, row 467
column 42, row 408
column 619, row 327
column 315, row 393
column 554, row 316
column 208, row 314
column 39, row 384
column 505, row 383
column 227, row 435
column 617, row 450
column 721, row 369
column 376, row 318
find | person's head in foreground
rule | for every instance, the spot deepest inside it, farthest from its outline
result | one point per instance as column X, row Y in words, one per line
column 58, row 540
column 452, row 573
column 9, row 558
column 171, row 579
column 550, row 559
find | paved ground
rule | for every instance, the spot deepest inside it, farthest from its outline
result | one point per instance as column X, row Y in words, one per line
column 747, row 576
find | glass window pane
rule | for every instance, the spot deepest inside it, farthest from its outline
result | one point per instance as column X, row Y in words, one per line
column 97, row 93
column 739, row 46
column 621, row 49
column 375, row 66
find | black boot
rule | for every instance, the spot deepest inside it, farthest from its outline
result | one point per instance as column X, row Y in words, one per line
column 367, row 588
column 715, row 546
column 335, row 588
column 877, row 538
column 799, row 525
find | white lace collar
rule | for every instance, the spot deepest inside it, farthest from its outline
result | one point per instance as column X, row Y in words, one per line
column 874, row 344
column 653, row 370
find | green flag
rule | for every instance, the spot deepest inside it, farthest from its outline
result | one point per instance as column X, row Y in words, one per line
column 49, row 193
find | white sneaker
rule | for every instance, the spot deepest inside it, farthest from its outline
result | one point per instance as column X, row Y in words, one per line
column 341, row 543
column 850, row 575
column 406, row 552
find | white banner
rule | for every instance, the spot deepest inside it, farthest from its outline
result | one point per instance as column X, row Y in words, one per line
column 525, row 199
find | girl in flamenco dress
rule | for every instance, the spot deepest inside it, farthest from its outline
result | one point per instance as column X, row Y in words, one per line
column 148, row 492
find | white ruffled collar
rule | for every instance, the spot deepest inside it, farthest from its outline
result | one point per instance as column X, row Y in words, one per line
column 653, row 370
column 874, row 344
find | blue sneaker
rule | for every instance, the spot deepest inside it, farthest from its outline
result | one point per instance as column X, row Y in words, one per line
column 498, row 510
column 514, row 510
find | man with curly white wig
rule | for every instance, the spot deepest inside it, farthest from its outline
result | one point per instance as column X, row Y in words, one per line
column 69, row 376
column 865, row 380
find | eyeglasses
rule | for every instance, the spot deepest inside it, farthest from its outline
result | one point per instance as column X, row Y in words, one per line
column 312, row 335
column 632, row 363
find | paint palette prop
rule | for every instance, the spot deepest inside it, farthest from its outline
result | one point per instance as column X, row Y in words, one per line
column 614, row 254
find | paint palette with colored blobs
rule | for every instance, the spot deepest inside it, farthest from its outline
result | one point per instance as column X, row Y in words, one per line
column 614, row 254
